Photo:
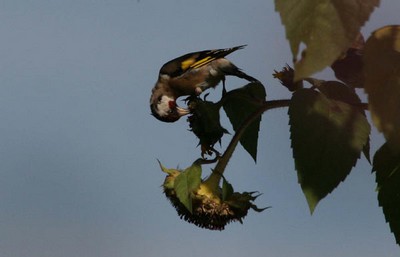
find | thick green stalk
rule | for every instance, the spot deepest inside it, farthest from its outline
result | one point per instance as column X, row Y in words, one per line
column 214, row 179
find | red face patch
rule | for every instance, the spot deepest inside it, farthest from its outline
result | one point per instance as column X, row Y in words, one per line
column 172, row 104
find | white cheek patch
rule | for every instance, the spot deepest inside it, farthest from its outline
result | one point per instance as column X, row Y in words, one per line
column 163, row 105
column 164, row 77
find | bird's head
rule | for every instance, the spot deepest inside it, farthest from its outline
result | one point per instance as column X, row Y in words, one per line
column 164, row 108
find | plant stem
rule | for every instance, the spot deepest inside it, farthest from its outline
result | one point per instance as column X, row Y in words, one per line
column 224, row 159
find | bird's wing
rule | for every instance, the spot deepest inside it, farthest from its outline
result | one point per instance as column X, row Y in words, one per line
column 184, row 63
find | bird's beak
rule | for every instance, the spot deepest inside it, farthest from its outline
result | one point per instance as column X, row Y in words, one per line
column 182, row 111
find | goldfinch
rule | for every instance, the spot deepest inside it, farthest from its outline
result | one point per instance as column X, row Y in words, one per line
column 190, row 74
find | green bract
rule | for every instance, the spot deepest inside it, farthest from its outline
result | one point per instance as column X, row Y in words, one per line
column 203, row 202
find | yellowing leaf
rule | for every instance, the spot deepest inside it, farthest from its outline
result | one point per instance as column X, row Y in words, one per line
column 382, row 81
column 172, row 172
column 335, row 90
column 326, row 27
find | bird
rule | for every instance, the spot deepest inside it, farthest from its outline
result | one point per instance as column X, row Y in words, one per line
column 190, row 75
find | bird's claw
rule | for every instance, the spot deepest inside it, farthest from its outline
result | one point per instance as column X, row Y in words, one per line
column 209, row 150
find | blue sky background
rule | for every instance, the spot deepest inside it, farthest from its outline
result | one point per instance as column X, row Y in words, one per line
column 78, row 169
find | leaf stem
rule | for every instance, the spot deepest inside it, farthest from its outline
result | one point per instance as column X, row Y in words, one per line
column 268, row 105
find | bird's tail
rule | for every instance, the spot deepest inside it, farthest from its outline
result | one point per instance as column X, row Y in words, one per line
column 235, row 71
column 232, row 69
column 224, row 52
column 239, row 73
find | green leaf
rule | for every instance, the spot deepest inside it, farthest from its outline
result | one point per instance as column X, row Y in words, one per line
column 327, row 139
column 239, row 104
column 382, row 81
column 186, row 183
column 387, row 167
column 326, row 27
column 227, row 189
column 335, row 90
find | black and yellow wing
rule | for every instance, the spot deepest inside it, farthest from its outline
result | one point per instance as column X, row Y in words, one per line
column 184, row 63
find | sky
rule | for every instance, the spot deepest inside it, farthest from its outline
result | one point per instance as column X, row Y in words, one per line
column 78, row 154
